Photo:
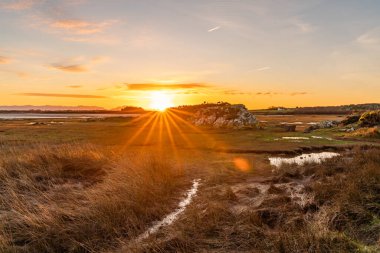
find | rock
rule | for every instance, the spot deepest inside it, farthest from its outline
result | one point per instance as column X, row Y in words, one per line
column 328, row 124
column 369, row 119
column 322, row 124
column 224, row 116
column 289, row 128
column 311, row 128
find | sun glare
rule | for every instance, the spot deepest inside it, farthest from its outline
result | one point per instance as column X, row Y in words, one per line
column 161, row 100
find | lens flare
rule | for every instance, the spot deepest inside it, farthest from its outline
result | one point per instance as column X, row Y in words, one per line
column 242, row 164
column 160, row 100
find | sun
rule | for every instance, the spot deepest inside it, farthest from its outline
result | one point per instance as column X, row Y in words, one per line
column 160, row 100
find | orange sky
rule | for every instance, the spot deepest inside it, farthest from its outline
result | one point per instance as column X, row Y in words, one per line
column 259, row 53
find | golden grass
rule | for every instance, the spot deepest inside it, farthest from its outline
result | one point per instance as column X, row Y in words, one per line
column 69, row 198
column 342, row 215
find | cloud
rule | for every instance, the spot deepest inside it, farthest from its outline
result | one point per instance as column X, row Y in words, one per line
column 303, row 26
column 236, row 92
column 271, row 93
column 59, row 95
column 106, row 40
column 4, row 60
column 152, row 86
column 214, row 29
column 19, row 5
column 75, row 68
column 77, row 26
column 74, row 86
column 298, row 93
column 268, row 93
column 370, row 38
column 263, row 69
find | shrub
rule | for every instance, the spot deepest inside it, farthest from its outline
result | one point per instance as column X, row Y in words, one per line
column 369, row 119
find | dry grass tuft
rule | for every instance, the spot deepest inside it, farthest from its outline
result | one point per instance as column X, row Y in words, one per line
column 80, row 199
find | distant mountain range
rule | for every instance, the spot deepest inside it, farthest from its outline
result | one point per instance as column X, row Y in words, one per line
column 50, row 108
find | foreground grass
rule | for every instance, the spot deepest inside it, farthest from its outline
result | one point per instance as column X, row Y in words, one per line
column 69, row 198
column 328, row 207
column 82, row 198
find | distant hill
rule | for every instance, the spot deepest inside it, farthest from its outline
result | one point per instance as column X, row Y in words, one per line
column 340, row 109
column 50, row 108
column 129, row 109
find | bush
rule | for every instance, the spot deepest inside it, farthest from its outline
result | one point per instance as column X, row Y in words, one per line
column 369, row 119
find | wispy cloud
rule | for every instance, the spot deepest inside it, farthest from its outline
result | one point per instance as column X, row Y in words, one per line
column 263, row 69
column 236, row 92
column 274, row 93
column 303, row 26
column 214, row 29
column 4, row 60
column 370, row 38
column 78, row 64
column 152, row 86
column 299, row 93
column 74, row 86
column 19, row 5
column 77, row 26
column 32, row 94
column 76, row 68
column 268, row 93
column 95, row 39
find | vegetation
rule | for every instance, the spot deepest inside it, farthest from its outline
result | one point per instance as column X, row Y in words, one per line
column 369, row 119
column 67, row 198
column 132, row 109
column 94, row 186
column 329, row 207
column 341, row 109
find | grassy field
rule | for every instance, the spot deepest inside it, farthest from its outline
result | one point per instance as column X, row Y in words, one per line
column 79, row 185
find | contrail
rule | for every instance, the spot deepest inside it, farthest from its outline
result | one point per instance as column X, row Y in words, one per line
column 214, row 29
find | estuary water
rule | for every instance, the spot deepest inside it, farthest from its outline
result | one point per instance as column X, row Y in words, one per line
column 13, row 116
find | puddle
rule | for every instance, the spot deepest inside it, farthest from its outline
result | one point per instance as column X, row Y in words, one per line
column 320, row 137
column 291, row 123
column 295, row 138
column 170, row 218
column 302, row 159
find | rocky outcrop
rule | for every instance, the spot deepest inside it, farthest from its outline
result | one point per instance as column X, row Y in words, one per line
column 322, row 124
column 328, row 124
column 224, row 116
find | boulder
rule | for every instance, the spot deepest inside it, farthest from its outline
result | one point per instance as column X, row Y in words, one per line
column 322, row 124
column 289, row 128
column 224, row 116
column 328, row 124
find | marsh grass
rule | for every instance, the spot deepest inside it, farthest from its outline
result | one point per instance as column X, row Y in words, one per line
column 342, row 217
column 69, row 198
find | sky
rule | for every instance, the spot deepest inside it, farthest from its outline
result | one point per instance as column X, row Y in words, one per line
column 257, row 52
